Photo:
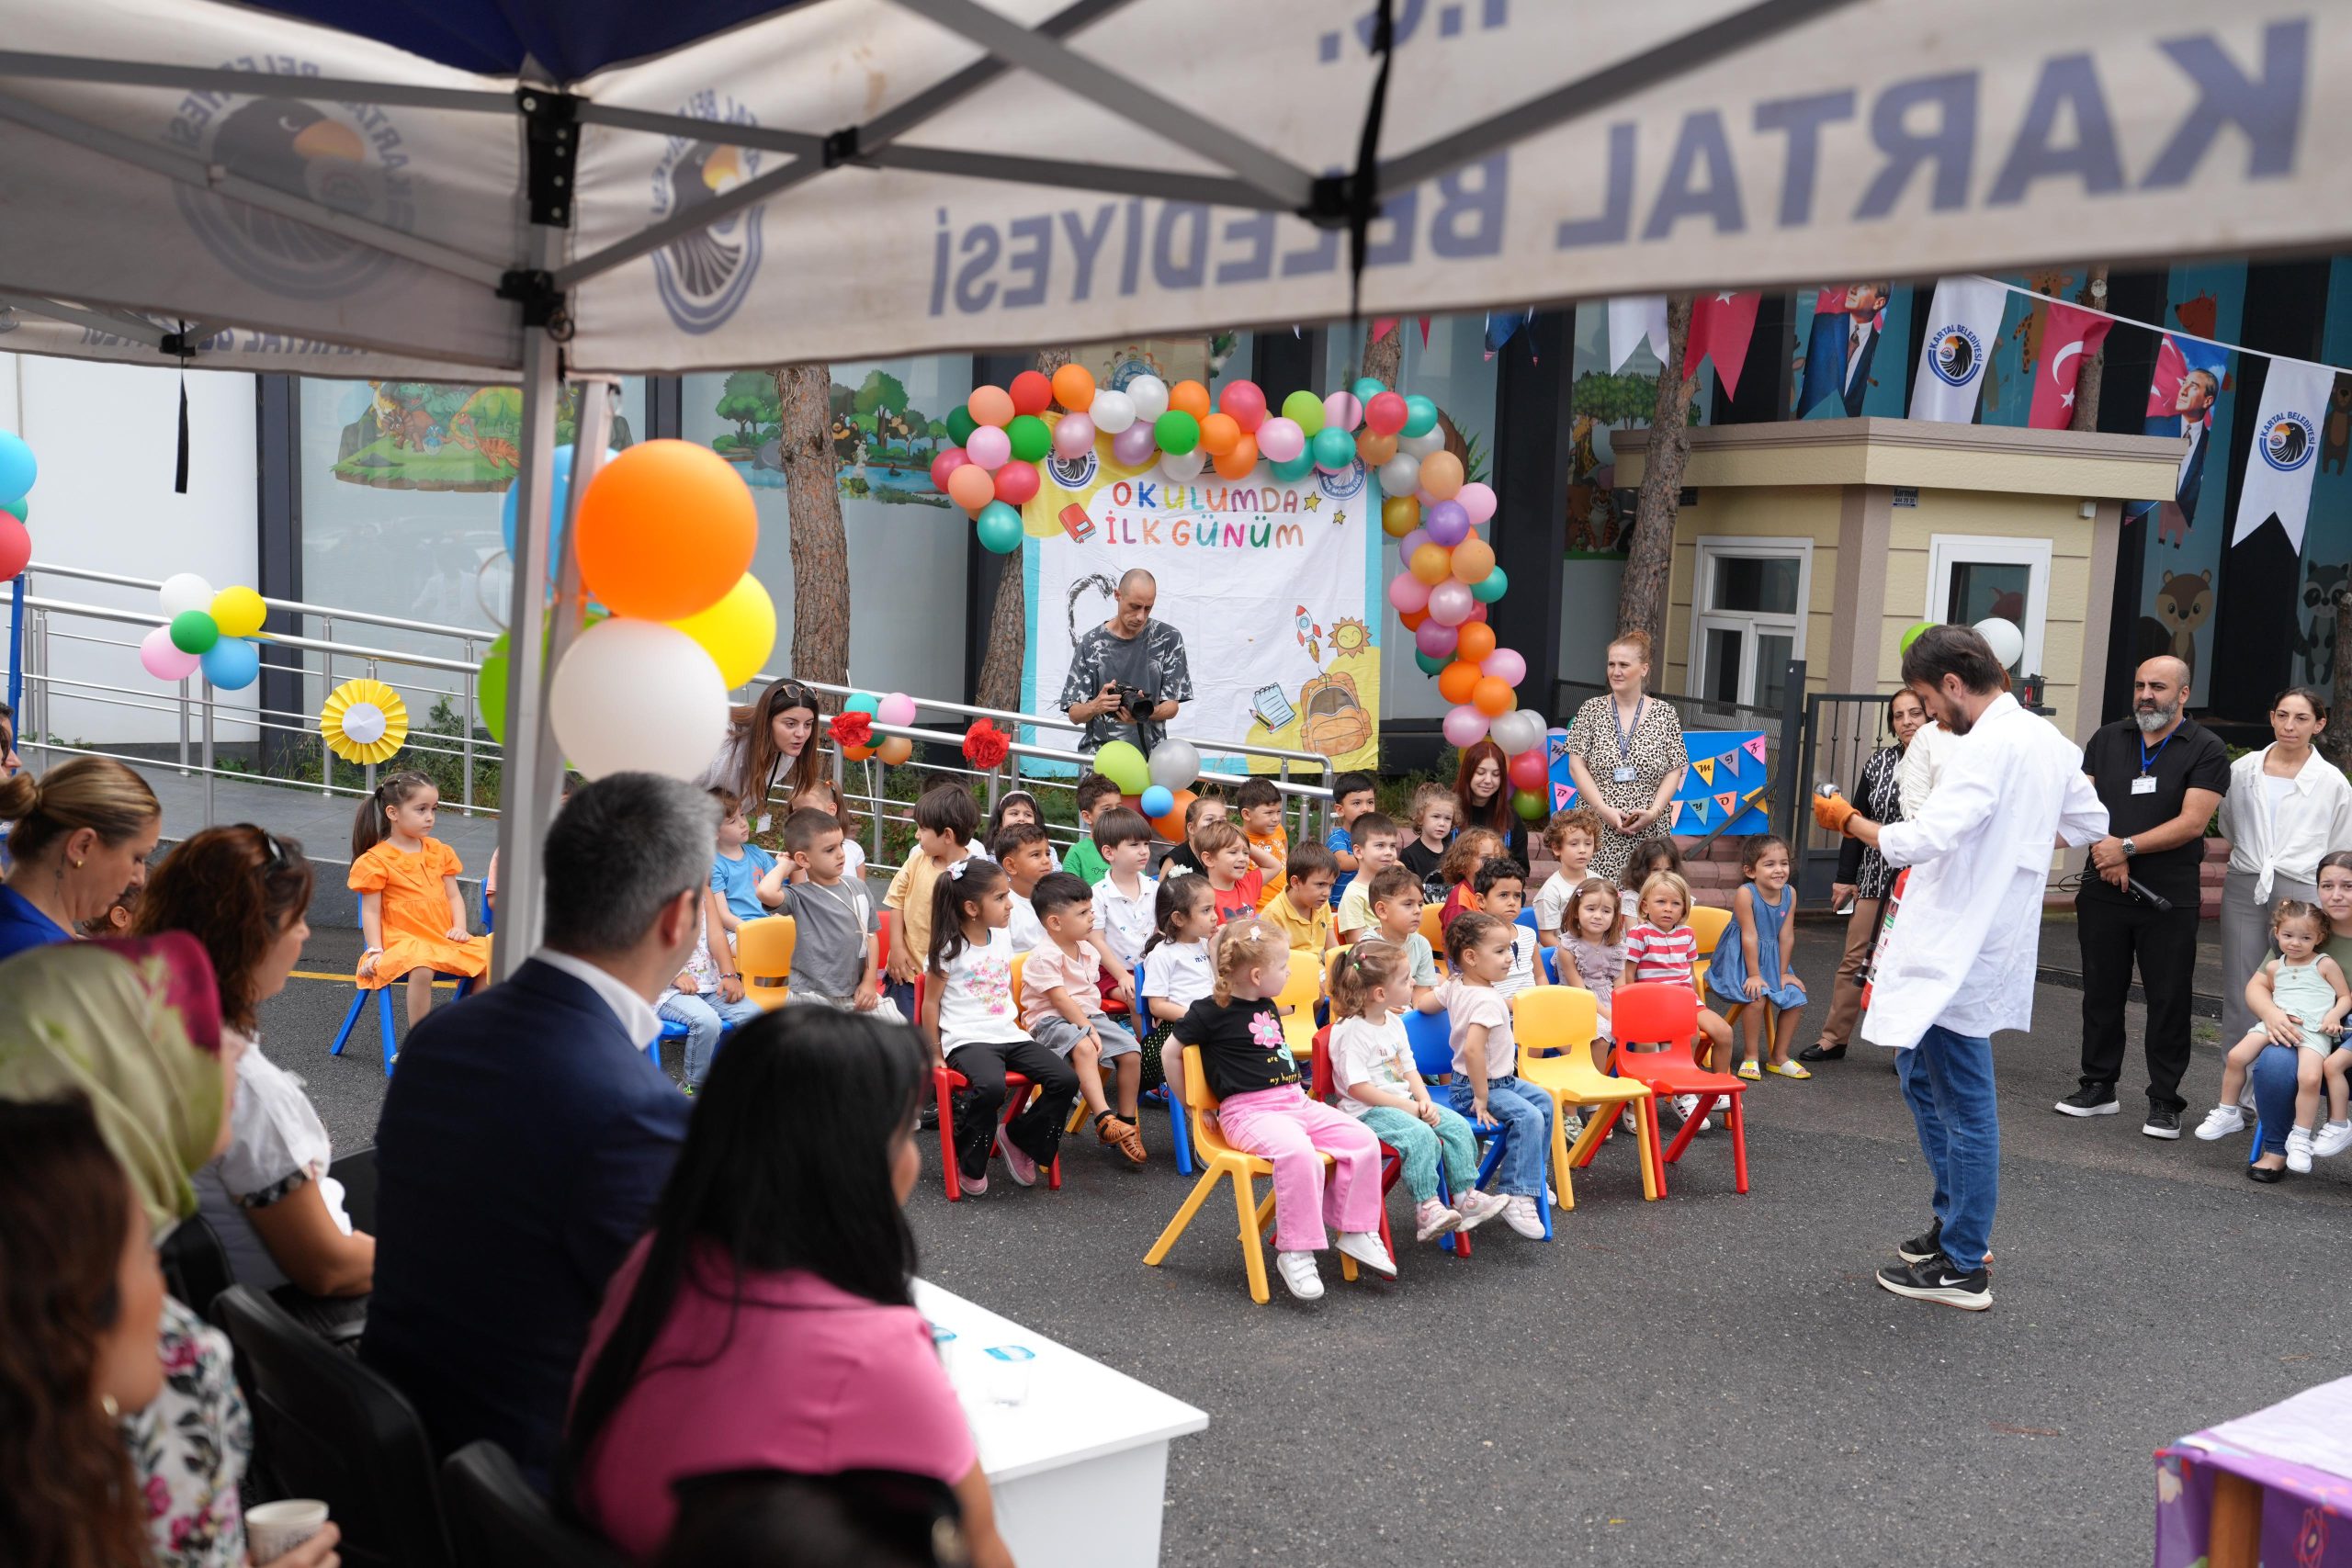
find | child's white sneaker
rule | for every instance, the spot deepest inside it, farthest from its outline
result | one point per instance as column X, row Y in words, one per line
column 2299, row 1151
column 1366, row 1248
column 1477, row 1208
column 2221, row 1122
column 1519, row 1214
column 2334, row 1139
column 1298, row 1269
column 1432, row 1219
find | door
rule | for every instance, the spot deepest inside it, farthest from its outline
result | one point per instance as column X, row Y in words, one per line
column 1973, row 578
column 1750, row 619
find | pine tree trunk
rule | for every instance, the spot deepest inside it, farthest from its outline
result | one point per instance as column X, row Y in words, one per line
column 1641, row 598
column 819, row 545
column 1384, row 360
column 2093, row 371
column 2335, row 740
column 1000, row 682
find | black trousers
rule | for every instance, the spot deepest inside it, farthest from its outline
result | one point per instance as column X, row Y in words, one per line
column 2164, row 943
column 1037, row 1128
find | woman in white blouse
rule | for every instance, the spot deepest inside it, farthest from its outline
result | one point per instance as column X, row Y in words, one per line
column 2287, row 807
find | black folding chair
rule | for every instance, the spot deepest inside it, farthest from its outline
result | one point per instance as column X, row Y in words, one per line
column 356, row 1171
column 195, row 1266
column 497, row 1521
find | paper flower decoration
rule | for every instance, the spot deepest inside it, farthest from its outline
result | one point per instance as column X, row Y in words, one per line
column 852, row 729
column 984, row 744
column 364, row 721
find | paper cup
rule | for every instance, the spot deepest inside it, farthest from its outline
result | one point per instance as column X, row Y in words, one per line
column 273, row 1529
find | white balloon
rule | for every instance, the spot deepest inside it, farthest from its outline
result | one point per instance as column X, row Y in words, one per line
column 1113, row 411
column 1150, row 394
column 1421, row 446
column 1175, row 763
column 2007, row 642
column 1521, row 730
column 1183, row 465
column 363, row 724
column 637, row 695
column 185, row 591
column 1401, row 475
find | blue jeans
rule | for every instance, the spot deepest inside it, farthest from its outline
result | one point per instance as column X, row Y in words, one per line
column 1527, row 1113
column 1947, row 1078
column 2274, row 1096
column 703, row 1018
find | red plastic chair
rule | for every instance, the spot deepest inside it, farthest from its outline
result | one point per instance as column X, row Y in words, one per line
column 944, row 1081
column 1655, row 1014
column 1392, row 1164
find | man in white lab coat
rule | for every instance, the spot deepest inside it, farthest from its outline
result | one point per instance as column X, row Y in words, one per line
column 1960, row 961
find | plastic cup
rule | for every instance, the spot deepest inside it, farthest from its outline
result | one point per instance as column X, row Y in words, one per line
column 273, row 1529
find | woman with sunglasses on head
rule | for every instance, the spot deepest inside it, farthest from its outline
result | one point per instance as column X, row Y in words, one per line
column 771, row 743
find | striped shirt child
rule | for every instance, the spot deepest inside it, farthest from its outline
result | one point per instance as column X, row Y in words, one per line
column 1662, row 956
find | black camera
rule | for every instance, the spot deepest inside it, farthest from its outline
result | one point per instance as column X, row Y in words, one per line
column 1136, row 702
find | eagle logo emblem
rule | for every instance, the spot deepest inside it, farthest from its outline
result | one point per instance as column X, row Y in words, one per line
column 1959, row 355
column 2287, row 441
column 703, row 276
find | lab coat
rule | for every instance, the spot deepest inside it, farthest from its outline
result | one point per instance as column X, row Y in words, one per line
column 1963, row 948
column 1922, row 765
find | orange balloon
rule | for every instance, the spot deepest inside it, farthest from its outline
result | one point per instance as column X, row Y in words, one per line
column 1375, row 449
column 895, row 750
column 1238, row 463
column 1458, row 679
column 971, row 487
column 1171, row 827
column 1475, row 640
column 1219, row 433
column 857, row 754
column 1413, row 619
column 665, row 529
column 1442, row 475
column 1492, row 696
column 992, row 405
column 1189, row 397
column 1473, row 560
column 1431, row 563
column 1074, row 387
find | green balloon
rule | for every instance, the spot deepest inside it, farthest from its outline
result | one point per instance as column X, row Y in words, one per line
column 960, row 425
column 1177, row 432
column 1031, row 437
column 1298, row 468
column 1332, row 449
column 1125, row 766
column 489, row 689
column 1420, row 415
column 1368, row 387
column 20, row 509
column 1491, row 587
column 193, row 631
column 1911, row 635
column 1528, row 804
column 1305, row 410
column 1000, row 526
column 1430, row 663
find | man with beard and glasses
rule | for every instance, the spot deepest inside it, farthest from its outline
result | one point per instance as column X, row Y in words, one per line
column 2161, row 776
column 1959, row 960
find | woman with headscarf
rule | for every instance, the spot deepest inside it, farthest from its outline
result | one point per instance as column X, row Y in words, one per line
column 80, row 837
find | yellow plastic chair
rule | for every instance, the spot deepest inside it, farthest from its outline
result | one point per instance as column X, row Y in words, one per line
column 1331, row 968
column 1564, row 1018
column 1433, row 933
column 1295, row 1005
column 1711, row 930
column 764, row 952
column 1219, row 1160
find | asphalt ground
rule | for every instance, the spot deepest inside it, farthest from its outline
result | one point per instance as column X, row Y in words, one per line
column 1711, row 1378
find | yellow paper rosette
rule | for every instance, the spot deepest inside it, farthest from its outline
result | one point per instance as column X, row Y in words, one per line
column 364, row 721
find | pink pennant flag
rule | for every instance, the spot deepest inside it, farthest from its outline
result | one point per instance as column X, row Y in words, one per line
column 1561, row 794
column 1754, row 747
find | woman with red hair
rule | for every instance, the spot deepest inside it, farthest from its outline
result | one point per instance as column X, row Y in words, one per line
column 1483, row 786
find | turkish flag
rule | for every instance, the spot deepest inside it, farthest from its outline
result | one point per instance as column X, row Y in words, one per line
column 1720, row 326
column 2068, row 337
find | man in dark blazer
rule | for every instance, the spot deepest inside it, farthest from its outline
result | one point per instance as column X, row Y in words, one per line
column 527, row 1134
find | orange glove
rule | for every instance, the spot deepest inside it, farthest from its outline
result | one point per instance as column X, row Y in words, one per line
column 1830, row 811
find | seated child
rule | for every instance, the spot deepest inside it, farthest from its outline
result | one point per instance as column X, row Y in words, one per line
column 1260, row 805
column 1646, row 860
column 1591, row 951
column 1013, row 805
column 944, row 817
column 1302, row 910
column 707, row 999
column 821, row 796
column 1062, row 1006
column 1026, row 855
column 1571, row 836
column 1084, row 859
column 1501, row 886
column 1206, row 805
column 1471, row 848
column 1431, row 820
column 1225, row 857
column 1372, row 1068
column 1126, row 897
column 1351, row 797
column 748, row 880
column 1756, row 961
column 1261, row 1111
column 1395, row 894
column 2309, row 987
column 1177, row 974
column 1487, row 1087
column 1660, row 948
column 833, row 920
column 1375, row 838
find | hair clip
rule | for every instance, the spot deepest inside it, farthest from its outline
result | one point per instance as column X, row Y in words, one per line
column 955, row 871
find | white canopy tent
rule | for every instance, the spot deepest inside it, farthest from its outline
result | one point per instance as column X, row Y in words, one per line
column 734, row 182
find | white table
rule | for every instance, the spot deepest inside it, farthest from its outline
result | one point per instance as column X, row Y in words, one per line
column 1075, row 1452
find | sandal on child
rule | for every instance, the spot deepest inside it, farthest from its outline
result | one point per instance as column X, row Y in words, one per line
column 1789, row 1070
column 1111, row 1129
column 1749, row 1070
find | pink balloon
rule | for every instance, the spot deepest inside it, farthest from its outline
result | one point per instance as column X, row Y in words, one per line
column 1451, row 604
column 1342, row 410
column 1411, row 542
column 1465, row 726
column 946, row 463
column 1436, row 640
column 989, row 446
column 896, row 708
column 1133, row 447
column 162, row 660
column 1280, row 440
column 1477, row 612
column 1074, row 437
column 1244, row 402
column 1407, row 593
column 1477, row 498
column 1504, row 664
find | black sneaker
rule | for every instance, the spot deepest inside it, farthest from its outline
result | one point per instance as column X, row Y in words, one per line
column 2161, row 1123
column 1920, row 1248
column 1936, row 1280
column 2091, row 1103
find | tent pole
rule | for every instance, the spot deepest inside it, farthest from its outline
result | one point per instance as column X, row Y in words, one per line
column 591, row 435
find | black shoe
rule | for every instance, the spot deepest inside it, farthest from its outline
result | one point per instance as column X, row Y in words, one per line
column 1819, row 1053
column 2093, row 1103
column 927, row 1118
column 1936, row 1280
column 2266, row 1175
column 1920, row 1248
column 2161, row 1123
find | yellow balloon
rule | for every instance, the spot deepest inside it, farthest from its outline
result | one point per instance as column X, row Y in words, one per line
column 739, row 632
column 239, row 612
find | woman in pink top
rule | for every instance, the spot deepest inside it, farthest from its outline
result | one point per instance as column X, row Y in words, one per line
column 768, row 1322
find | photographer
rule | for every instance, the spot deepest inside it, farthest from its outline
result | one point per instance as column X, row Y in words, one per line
column 1128, row 675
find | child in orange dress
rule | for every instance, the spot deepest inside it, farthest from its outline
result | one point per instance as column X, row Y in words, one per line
column 411, row 912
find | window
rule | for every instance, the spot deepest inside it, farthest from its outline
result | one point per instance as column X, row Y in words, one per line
column 1749, row 618
column 1971, row 579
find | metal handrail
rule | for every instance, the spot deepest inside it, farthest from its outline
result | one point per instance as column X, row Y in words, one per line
column 297, row 605
column 1062, row 721
column 280, row 639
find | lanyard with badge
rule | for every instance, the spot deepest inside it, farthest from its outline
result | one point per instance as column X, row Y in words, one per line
column 1626, row 773
column 2146, row 782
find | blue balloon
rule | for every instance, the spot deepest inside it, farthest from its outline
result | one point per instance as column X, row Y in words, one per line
column 999, row 526
column 1333, row 450
column 1157, row 801
column 1298, row 468
column 555, row 517
column 18, row 469
column 1368, row 387
column 865, row 702
column 232, row 663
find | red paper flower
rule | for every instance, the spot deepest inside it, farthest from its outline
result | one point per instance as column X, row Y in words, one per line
column 984, row 744
column 852, row 729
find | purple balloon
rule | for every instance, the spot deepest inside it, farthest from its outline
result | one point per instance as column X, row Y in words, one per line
column 1133, row 447
column 1435, row 638
column 1451, row 604
column 1447, row 522
column 1411, row 542
column 1504, row 664
column 1074, row 437
column 1407, row 593
column 1465, row 726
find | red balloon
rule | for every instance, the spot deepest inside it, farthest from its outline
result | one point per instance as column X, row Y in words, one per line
column 1413, row 619
column 946, row 463
column 1033, row 392
column 1386, row 413
column 16, row 547
column 1244, row 403
column 1527, row 770
column 1016, row 482
column 1477, row 612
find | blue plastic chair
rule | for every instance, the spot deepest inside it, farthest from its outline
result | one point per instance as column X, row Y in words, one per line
column 1527, row 919
column 1177, row 1129
column 1548, row 958
column 384, row 1017
column 1431, row 1034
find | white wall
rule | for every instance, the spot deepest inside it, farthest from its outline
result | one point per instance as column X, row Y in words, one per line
column 107, row 438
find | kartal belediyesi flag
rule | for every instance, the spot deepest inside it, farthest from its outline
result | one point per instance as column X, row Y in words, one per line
column 2284, row 457
column 1964, row 323
column 1271, row 585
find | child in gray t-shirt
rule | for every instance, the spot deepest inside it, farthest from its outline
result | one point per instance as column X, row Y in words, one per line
column 833, row 952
